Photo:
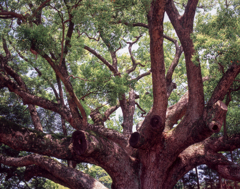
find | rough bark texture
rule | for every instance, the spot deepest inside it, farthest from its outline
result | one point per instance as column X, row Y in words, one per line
column 169, row 142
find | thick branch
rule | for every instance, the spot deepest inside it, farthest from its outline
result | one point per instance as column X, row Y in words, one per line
column 188, row 133
column 155, row 23
column 32, row 109
column 184, row 28
column 223, row 166
column 222, row 144
column 11, row 14
column 111, row 134
column 75, row 178
column 35, row 100
column 176, row 112
column 33, row 170
column 205, row 152
column 188, row 16
column 109, row 111
column 25, row 139
column 63, row 75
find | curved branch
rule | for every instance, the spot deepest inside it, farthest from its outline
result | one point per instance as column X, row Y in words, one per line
column 176, row 112
column 224, row 84
column 188, row 133
column 32, row 109
column 144, row 112
column 35, row 100
column 174, row 63
column 205, row 152
column 223, row 166
column 62, row 74
column 76, row 179
column 34, row 170
column 109, row 111
column 134, row 64
column 142, row 75
column 110, row 66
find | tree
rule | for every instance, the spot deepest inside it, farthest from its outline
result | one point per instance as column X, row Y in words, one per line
column 62, row 59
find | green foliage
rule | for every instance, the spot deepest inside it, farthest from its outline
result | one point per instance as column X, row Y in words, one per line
column 52, row 185
column 99, row 174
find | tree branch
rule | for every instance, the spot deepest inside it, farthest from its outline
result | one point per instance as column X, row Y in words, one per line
column 34, row 170
column 188, row 16
column 32, row 109
column 26, row 139
column 176, row 112
column 155, row 23
column 134, row 24
column 40, row 7
column 58, row 170
column 109, row 111
column 111, row 67
column 205, row 152
column 184, row 27
column 63, row 74
column 223, row 166
column 11, row 14
column 224, row 84
column 188, row 133
column 178, row 53
column 35, row 100
column 134, row 64
column 142, row 75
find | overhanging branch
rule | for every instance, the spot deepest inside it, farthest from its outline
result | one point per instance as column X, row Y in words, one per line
column 75, row 178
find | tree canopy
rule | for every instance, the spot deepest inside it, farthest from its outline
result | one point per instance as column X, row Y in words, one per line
column 146, row 90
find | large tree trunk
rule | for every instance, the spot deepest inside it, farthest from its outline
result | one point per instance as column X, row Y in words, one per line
column 158, row 154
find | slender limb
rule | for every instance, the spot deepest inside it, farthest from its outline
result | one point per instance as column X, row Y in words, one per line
column 35, row 100
column 224, row 84
column 109, row 65
column 134, row 64
column 141, row 76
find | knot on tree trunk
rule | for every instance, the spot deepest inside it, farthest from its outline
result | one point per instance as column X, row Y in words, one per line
column 136, row 140
column 216, row 115
column 85, row 143
column 79, row 142
column 156, row 122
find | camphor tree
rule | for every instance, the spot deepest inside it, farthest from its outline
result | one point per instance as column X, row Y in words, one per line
column 63, row 58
